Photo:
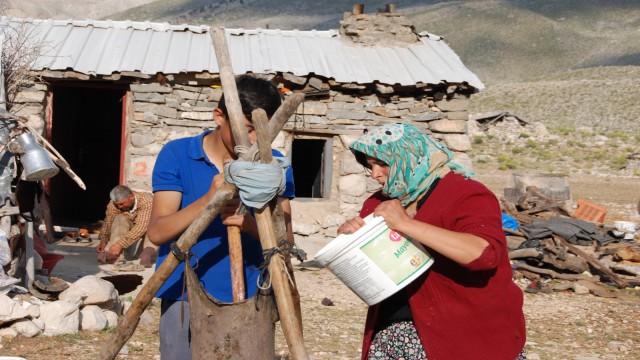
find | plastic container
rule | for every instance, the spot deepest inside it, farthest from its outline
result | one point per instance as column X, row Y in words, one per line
column 375, row 261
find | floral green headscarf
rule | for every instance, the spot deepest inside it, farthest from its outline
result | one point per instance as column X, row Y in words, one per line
column 415, row 159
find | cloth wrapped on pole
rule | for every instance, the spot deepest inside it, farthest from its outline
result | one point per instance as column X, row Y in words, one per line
column 257, row 183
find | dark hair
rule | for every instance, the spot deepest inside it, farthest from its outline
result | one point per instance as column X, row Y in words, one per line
column 255, row 93
column 361, row 158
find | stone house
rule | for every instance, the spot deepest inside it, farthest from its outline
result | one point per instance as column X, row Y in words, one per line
column 114, row 92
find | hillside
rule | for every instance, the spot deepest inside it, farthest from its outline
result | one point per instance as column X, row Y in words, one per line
column 501, row 40
column 605, row 98
column 562, row 63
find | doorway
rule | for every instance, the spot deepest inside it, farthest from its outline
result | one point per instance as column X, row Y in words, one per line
column 86, row 128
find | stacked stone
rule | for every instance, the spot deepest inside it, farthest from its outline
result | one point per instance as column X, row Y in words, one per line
column 89, row 304
column 162, row 113
column 378, row 29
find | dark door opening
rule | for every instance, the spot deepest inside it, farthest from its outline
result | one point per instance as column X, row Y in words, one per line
column 311, row 167
column 86, row 130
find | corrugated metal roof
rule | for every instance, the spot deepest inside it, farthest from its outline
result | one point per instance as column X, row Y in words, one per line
column 106, row 47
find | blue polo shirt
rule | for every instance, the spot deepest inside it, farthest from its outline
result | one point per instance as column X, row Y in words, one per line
column 183, row 166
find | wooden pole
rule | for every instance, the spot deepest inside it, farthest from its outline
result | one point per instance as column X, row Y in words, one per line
column 291, row 323
column 129, row 322
column 240, row 136
column 290, row 318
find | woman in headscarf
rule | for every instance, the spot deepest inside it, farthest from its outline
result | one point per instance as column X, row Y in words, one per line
column 466, row 306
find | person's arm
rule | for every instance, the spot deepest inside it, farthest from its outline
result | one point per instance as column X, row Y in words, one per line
column 105, row 229
column 462, row 248
column 168, row 221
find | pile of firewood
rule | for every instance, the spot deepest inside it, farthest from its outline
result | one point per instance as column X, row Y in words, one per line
column 542, row 251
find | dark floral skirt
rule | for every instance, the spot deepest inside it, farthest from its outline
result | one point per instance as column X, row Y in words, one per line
column 400, row 341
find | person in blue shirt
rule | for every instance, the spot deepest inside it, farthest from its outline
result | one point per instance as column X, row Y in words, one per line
column 186, row 176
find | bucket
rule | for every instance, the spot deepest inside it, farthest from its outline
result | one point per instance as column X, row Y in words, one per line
column 375, row 262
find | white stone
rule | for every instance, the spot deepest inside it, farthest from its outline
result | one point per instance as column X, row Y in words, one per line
column 33, row 310
column 333, row 220
column 312, row 108
column 125, row 306
column 10, row 310
column 39, row 323
column 352, row 185
column 448, row 126
column 92, row 318
column 8, row 332
column 579, row 289
column 141, row 140
column 93, row 291
column 146, row 318
column 112, row 318
column 457, row 142
column 197, row 115
column 349, row 165
column 60, row 317
column 305, row 228
column 26, row 327
column 279, row 142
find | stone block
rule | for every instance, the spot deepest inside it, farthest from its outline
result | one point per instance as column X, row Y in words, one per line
column 458, row 115
column 312, row 108
column 160, row 110
column 92, row 318
column 60, row 317
column 29, row 97
column 457, row 142
column 453, row 105
column 197, row 115
column 351, row 115
column 448, row 126
column 150, row 97
column 150, row 88
column 352, row 185
column 92, row 290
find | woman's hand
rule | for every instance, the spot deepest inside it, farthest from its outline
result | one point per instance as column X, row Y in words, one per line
column 394, row 214
column 350, row 226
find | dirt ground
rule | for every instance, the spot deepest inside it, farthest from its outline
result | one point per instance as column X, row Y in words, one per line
column 560, row 325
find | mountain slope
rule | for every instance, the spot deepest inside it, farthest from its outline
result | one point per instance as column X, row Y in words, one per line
column 501, row 40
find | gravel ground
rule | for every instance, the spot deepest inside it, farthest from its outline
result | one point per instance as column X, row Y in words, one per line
column 560, row 325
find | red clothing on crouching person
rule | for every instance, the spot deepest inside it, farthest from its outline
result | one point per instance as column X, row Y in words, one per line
column 462, row 312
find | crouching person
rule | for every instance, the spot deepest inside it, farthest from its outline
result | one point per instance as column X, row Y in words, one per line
column 123, row 233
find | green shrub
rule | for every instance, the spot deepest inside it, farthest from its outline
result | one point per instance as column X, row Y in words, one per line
column 478, row 139
column 506, row 162
column 618, row 162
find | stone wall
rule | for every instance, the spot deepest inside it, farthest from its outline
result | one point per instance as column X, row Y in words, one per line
column 344, row 115
column 385, row 28
column 160, row 112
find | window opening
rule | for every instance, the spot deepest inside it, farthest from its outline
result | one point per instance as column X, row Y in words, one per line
column 311, row 162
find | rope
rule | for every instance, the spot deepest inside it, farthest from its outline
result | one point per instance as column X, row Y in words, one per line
column 257, row 183
column 283, row 249
column 182, row 256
